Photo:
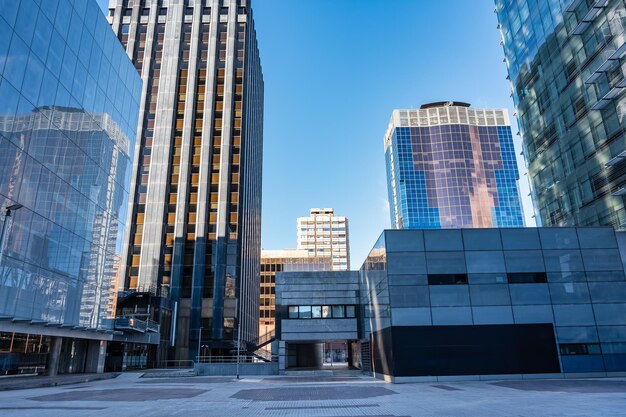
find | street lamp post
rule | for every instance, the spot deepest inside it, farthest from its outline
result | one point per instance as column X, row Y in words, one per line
column 199, row 341
column 7, row 216
column 238, row 334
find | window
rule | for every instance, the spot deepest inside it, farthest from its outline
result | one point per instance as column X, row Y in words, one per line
column 338, row 312
column 319, row 312
column 447, row 279
column 527, row 278
column 304, row 312
column 570, row 349
column 125, row 29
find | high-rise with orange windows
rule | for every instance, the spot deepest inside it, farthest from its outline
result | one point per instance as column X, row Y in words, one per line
column 193, row 245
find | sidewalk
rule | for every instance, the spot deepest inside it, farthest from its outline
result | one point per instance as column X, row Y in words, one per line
column 28, row 382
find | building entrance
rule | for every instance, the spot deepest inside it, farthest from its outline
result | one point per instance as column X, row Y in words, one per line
column 335, row 355
column 329, row 355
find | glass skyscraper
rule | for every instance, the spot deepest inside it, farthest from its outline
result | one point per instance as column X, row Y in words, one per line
column 194, row 240
column 452, row 166
column 68, row 112
column 566, row 64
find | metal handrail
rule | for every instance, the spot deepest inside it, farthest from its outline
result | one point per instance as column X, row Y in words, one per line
column 265, row 354
column 175, row 364
column 265, row 337
column 243, row 358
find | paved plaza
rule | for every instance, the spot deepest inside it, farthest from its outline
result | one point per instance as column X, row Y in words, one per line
column 130, row 394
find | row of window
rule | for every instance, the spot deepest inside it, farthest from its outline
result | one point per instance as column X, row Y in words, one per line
column 206, row 11
column 512, row 278
column 570, row 349
column 322, row 312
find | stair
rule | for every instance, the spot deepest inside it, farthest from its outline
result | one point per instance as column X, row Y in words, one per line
column 254, row 348
column 169, row 373
column 313, row 372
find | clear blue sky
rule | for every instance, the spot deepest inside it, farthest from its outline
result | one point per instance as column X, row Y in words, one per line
column 334, row 70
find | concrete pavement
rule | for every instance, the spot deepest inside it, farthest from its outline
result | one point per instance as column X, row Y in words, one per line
column 131, row 395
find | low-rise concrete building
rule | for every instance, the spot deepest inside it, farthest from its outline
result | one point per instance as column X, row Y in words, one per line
column 316, row 311
column 474, row 303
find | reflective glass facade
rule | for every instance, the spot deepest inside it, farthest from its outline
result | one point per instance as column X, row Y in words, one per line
column 451, row 166
column 68, row 111
column 566, row 64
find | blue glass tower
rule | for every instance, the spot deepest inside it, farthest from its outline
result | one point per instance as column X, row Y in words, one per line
column 452, row 166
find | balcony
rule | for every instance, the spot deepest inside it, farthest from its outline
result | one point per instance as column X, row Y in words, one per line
column 594, row 9
column 134, row 324
column 610, row 95
column 616, row 159
column 612, row 57
column 620, row 192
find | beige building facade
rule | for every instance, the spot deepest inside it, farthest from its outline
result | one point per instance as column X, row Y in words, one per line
column 325, row 234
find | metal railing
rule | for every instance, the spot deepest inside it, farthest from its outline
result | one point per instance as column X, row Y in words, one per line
column 175, row 364
column 135, row 324
column 131, row 323
column 265, row 337
column 265, row 355
column 153, row 326
column 243, row 358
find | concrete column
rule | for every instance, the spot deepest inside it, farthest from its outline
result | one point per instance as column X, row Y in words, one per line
column 96, row 353
column 158, row 178
column 91, row 358
column 319, row 354
column 102, row 356
column 282, row 357
column 54, row 355
column 145, row 75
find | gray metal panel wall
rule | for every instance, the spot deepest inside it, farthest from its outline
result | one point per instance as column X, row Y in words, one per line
column 584, row 296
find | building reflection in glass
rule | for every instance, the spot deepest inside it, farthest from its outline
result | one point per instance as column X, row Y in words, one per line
column 452, row 166
column 69, row 105
column 68, row 168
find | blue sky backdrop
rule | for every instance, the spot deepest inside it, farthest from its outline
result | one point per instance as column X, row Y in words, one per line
column 334, row 71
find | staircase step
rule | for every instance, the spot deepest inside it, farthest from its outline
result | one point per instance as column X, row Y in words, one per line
column 169, row 373
column 317, row 372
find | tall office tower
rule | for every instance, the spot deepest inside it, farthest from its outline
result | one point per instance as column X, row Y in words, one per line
column 566, row 64
column 194, row 240
column 285, row 260
column 323, row 234
column 68, row 117
column 452, row 166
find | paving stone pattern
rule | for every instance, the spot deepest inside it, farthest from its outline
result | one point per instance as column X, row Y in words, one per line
column 130, row 395
column 123, row 395
column 312, row 394
column 581, row 386
column 308, row 380
column 198, row 380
